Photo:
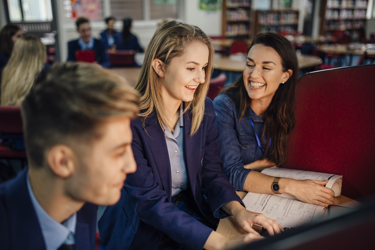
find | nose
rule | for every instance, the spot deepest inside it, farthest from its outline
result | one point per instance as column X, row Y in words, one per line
column 130, row 165
column 200, row 78
column 255, row 72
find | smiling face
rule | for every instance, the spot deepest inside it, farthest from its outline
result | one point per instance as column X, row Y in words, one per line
column 183, row 75
column 263, row 74
column 102, row 166
column 84, row 31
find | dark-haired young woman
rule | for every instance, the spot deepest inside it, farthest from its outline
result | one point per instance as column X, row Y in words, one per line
column 254, row 118
column 128, row 40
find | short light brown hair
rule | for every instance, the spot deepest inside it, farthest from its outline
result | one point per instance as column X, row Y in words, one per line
column 68, row 103
column 81, row 20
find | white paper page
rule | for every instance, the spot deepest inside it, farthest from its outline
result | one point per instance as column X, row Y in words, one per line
column 287, row 212
column 334, row 183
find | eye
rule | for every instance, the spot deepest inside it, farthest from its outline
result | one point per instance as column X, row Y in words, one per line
column 266, row 68
column 249, row 65
column 190, row 69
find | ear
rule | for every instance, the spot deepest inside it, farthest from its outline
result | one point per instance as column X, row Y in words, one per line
column 286, row 75
column 158, row 67
column 61, row 160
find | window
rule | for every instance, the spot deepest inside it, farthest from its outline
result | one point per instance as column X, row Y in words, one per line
column 29, row 10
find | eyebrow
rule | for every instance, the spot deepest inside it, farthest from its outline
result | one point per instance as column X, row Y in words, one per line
column 196, row 63
column 125, row 144
column 265, row 62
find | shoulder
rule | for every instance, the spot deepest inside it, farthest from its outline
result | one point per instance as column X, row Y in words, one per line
column 103, row 33
column 73, row 42
column 224, row 101
column 98, row 42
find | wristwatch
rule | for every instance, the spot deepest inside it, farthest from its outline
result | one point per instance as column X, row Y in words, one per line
column 275, row 185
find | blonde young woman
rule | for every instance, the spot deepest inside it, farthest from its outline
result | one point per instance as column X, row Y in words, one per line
column 179, row 192
column 26, row 62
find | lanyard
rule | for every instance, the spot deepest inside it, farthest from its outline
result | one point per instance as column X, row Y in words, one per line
column 256, row 136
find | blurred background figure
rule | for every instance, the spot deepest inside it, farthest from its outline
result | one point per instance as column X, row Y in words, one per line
column 110, row 37
column 129, row 41
column 28, row 59
column 9, row 34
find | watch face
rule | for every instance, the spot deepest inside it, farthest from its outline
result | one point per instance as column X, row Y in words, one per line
column 275, row 187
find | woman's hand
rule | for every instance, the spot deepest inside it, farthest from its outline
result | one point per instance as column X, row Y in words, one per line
column 246, row 219
column 218, row 241
column 311, row 191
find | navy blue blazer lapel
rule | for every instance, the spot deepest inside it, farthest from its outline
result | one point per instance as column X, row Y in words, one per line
column 158, row 146
column 24, row 223
column 192, row 150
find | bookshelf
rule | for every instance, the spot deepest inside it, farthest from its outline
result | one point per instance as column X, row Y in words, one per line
column 279, row 20
column 349, row 15
column 236, row 18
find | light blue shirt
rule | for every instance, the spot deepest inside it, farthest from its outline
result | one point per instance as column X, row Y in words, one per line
column 54, row 233
column 175, row 144
column 110, row 40
column 85, row 46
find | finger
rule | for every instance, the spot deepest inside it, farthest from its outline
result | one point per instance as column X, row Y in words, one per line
column 319, row 203
column 327, row 196
column 249, row 229
column 266, row 225
column 322, row 183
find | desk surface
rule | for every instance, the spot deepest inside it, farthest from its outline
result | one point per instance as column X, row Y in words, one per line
column 238, row 65
column 130, row 74
column 351, row 49
column 228, row 226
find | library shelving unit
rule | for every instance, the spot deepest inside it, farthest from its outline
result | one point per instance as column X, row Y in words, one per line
column 348, row 15
column 236, row 19
column 278, row 20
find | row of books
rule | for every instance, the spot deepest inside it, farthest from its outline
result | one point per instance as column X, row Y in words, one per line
column 238, row 15
column 278, row 18
column 343, row 14
column 277, row 29
column 343, row 25
column 347, row 4
column 237, row 29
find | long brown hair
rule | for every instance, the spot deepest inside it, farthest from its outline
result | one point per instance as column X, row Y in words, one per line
column 279, row 116
column 168, row 42
column 6, row 43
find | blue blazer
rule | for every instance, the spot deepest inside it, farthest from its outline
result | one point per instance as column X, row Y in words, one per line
column 145, row 210
column 104, row 38
column 132, row 44
column 100, row 54
column 19, row 225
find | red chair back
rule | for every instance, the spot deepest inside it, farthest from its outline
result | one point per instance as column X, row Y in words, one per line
column 216, row 85
column 85, row 56
column 238, row 46
column 122, row 58
column 335, row 127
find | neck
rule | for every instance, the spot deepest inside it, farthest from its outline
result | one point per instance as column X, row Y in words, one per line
column 171, row 108
column 259, row 106
column 49, row 192
column 110, row 31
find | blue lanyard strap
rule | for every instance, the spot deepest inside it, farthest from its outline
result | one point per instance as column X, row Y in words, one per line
column 256, row 136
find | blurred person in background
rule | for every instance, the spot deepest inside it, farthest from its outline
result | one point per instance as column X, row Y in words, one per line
column 128, row 40
column 110, row 37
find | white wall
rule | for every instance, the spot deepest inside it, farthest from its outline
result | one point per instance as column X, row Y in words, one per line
column 370, row 27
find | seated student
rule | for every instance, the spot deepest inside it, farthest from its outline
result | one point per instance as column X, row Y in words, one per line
column 78, row 139
column 179, row 193
column 128, row 40
column 28, row 59
column 87, row 42
column 9, row 34
column 110, row 37
column 255, row 116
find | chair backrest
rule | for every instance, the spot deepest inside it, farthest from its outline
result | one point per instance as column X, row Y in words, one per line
column 238, row 46
column 10, row 119
column 85, row 56
column 335, row 127
column 122, row 58
column 216, row 85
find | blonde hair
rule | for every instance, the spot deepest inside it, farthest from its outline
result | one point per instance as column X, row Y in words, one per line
column 69, row 102
column 168, row 42
column 26, row 62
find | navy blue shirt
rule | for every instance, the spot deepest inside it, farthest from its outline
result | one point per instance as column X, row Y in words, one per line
column 132, row 44
column 238, row 145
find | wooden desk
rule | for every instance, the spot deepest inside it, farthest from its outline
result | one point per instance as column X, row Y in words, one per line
column 229, row 228
column 130, row 74
column 228, row 64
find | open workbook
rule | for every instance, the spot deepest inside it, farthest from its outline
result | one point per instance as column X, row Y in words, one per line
column 286, row 209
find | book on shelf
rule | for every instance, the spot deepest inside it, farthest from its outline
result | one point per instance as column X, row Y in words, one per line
column 286, row 209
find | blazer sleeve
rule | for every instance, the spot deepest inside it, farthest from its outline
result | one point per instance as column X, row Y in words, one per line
column 230, row 152
column 138, row 47
column 103, row 55
column 71, row 52
column 216, row 185
column 151, row 203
